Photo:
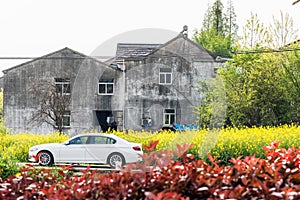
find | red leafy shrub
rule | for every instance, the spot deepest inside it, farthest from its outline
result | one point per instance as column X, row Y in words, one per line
column 276, row 177
column 151, row 146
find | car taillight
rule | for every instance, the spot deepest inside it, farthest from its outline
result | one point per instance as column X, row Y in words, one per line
column 136, row 148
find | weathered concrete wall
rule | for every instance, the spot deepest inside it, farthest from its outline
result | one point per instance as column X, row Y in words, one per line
column 85, row 98
column 145, row 96
column 20, row 103
column 137, row 91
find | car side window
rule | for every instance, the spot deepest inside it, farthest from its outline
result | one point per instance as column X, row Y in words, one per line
column 76, row 141
column 84, row 139
column 110, row 141
column 79, row 140
column 100, row 140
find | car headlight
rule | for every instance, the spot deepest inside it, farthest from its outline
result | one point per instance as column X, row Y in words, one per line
column 33, row 149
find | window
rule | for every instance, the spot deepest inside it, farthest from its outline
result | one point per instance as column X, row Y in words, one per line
column 165, row 76
column 110, row 141
column 106, row 86
column 146, row 122
column 76, row 141
column 104, row 140
column 169, row 117
column 79, row 140
column 63, row 85
column 66, row 120
column 100, row 140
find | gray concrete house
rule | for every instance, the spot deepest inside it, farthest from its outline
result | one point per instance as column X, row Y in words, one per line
column 146, row 86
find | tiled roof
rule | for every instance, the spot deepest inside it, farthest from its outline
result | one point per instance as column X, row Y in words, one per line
column 131, row 50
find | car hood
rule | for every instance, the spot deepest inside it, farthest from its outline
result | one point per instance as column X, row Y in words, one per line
column 47, row 145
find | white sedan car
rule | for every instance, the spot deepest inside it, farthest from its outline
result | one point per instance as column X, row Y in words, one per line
column 88, row 148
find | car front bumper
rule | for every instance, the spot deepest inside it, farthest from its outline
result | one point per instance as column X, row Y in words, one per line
column 32, row 157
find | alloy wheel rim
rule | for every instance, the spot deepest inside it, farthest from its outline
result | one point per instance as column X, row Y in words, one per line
column 44, row 158
column 114, row 159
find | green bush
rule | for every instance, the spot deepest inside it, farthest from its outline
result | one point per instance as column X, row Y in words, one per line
column 276, row 177
column 8, row 167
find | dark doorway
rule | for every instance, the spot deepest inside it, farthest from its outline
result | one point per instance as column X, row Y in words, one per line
column 102, row 119
column 106, row 120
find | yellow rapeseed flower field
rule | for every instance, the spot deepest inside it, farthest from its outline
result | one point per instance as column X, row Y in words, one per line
column 224, row 143
column 15, row 146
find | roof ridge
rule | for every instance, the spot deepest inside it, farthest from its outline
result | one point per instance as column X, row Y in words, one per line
column 182, row 35
column 125, row 43
column 52, row 53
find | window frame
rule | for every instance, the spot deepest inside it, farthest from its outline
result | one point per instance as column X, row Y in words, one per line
column 82, row 142
column 60, row 84
column 106, row 140
column 68, row 116
column 163, row 71
column 169, row 114
column 106, row 84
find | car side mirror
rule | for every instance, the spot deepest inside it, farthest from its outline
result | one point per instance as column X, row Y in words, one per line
column 67, row 143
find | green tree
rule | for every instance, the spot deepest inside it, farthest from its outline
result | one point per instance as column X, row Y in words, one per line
column 261, row 88
column 218, row 31
column 255, row 34
column 207, row 21
column 217, row 17
column 291, row 64
column 212, row 111
column 282, row 31
column 214, row 42
column 231, row 26
column 278, row 34
column 255, row 90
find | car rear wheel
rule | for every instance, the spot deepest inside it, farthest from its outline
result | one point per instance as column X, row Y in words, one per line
column 115, row 159
column 45, row 158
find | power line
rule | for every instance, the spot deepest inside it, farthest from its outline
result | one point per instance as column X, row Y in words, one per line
column 266, row 51
column 100, row 57
column 142, row 56
column 60, row 57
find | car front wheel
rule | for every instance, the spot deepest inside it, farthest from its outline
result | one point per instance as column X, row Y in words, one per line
column 115, row 159
column 45, row 158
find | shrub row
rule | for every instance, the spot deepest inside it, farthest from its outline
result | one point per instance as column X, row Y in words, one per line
column 276, row 177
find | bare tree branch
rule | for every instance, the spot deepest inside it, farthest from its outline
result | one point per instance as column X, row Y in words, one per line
column 53, row 104
column 296, row 2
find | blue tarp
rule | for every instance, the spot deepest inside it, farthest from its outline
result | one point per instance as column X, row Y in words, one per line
column 184, row 127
